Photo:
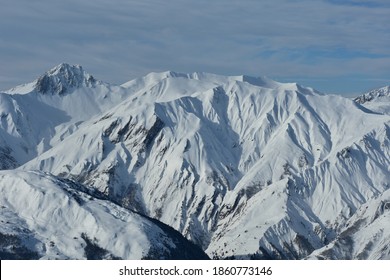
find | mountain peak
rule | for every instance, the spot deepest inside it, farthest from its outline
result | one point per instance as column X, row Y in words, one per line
column 63, row 79
column 65, row 68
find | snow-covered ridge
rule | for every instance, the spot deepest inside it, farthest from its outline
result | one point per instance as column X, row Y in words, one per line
column 244, row 167
column 373, row 95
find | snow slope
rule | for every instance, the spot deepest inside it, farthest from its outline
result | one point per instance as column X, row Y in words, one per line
column 366, row 235
column 54, row 105
column 46, row 217
column 244, row 167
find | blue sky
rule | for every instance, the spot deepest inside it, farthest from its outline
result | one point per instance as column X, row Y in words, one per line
column 334, row 46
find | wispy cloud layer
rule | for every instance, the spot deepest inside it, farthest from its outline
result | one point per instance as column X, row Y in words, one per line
column 118, row 40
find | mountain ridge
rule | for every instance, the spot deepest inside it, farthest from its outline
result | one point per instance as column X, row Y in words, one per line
column 243, row 167
column 376, row 100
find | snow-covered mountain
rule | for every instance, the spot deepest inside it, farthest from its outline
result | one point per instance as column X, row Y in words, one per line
column 243, row 167
column 55, row 104
column 46, row 217
column 377, row 100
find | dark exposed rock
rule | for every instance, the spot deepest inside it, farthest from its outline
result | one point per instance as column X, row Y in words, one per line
column 7, row 161
column 153, row 132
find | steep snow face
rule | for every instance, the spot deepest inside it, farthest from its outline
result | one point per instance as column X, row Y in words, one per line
column 244, row 167
column 291, row 218
column 26, row 126
column 50, row 218
column 364, row 236
column 34, row 117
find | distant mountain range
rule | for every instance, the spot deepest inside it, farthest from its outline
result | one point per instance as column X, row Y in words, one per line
column 192, row 166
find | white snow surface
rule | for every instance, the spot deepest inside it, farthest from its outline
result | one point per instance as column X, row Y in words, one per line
column 366, row 235
column 57, row 221
column 244, row 167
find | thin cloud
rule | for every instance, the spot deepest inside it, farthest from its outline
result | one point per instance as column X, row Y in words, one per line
column 119, row 40
column 361, row 3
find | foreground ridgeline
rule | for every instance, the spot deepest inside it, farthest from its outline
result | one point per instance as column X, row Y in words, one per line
column 191, row 166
